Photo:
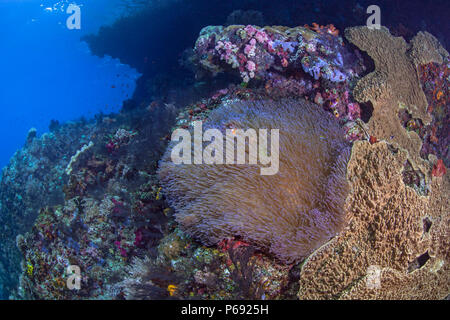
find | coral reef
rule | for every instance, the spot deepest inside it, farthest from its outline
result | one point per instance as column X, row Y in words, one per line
column 98, row 237
column 288, row 214
column 359, row 209
column 142, row 31
column 398, row 209
column 185, row 270
column 435, row 80
column 33, row 179
column 304, row 62
column 107, row 207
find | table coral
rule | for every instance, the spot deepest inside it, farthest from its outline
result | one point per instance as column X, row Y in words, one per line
column 395, row 83
column 425, row 48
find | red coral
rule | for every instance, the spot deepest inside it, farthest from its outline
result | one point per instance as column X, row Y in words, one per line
column 329, row 28
column 228, row 243
column 439, row 169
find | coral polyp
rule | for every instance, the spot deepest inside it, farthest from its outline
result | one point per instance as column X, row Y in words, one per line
column 288, row 214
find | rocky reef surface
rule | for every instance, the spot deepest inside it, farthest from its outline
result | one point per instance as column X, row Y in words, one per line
column 88, row 193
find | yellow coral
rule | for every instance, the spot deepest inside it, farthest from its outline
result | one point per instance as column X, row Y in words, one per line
column 172, row 289
column 158, row 194
column 30, row 269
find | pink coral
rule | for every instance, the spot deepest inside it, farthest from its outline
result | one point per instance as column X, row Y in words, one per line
column 261, row 36
column 251, row 66
column 251, row 30
column 354, row 111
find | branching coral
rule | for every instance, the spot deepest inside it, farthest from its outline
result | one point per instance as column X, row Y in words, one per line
column 290, row 213
column 76, row 156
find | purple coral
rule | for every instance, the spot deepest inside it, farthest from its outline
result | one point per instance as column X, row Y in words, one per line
column 320, row 55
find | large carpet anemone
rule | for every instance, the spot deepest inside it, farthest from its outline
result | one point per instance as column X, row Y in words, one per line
column 288, row 214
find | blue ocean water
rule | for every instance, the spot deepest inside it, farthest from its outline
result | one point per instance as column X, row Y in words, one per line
column 48, row 73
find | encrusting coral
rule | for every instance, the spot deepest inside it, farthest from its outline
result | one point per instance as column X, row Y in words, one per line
column 290, row 213
column 394, row 230
column 391, row 228
column 395, row 84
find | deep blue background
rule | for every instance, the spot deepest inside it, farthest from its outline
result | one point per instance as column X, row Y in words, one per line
column 47, row 73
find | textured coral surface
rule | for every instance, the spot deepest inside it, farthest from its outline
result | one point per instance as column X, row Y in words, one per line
column 387, row 230
column 395, row 84
column 290, row 213
column 395, row 230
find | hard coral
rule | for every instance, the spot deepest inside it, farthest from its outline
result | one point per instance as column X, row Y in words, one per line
column 394, row 84
column 392, row 229
column 288, row 214
column 426, row 48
